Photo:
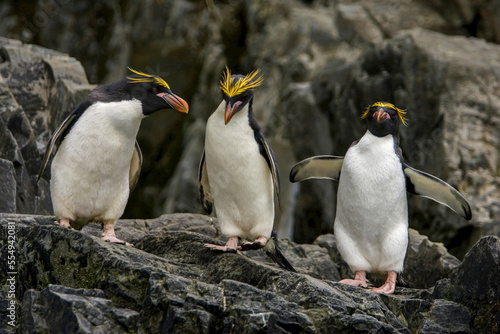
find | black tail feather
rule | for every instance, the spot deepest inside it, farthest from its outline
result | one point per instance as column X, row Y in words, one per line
column 274, row 252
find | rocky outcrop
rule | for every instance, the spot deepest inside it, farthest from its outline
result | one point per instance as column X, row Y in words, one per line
column 465, row 285
column 38, row 89
column 71, row 281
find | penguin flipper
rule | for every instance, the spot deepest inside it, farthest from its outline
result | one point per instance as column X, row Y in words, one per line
column 56, row 138
column 135, row 167
column 274, row 252
column 60, row 133
column 426, row 185
column 273, row 166
column 206, row 198
column 317, row 167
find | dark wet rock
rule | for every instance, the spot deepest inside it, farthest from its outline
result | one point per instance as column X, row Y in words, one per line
column 424, row 314
column 67, row 310
column 480, row 269
column 171, row 283
column 446, row 317
column 426, row 262
column 7, row 186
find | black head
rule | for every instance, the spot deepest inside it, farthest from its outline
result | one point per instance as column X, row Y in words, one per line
column 154, row 93
column 237, row 91
column 383, row 119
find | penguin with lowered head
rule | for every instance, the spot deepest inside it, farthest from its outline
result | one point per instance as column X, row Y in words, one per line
column 97, row 159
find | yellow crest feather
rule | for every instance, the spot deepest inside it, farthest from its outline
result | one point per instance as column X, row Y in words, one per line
column 147, row 78
column 231, row 88
column 401, row 113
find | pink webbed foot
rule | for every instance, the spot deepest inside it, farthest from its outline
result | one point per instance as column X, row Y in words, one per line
column 231, row 246
column 63, row 222
column 359, row 280
column 109, row 235
column 257, row 244
column 389, row 285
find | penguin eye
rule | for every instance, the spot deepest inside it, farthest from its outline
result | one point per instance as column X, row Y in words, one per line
column 155, row 90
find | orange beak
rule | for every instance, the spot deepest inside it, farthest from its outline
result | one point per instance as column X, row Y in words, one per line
column 230, row 111
column 176, row 102
column 380, row 115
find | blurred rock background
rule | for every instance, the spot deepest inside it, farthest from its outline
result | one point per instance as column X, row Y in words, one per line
column 323, row 62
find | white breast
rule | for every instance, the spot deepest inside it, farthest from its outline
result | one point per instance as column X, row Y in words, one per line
column 371, row 225
column 239, row 177
column 90, row 169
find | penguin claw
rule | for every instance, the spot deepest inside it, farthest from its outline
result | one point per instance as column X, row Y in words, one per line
column 389, row 285
column 359, row 279
column 63, row 222
column 115, row 240
column 257, row 244
column 231, row 245
column 355, row 282
column 109, row 235
column 385, row 289
column 250, row 246
column 226, row 249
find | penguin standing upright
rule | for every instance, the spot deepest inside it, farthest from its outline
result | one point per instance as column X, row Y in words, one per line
column 238, row 171
column 98, row 160
column 371, row 223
